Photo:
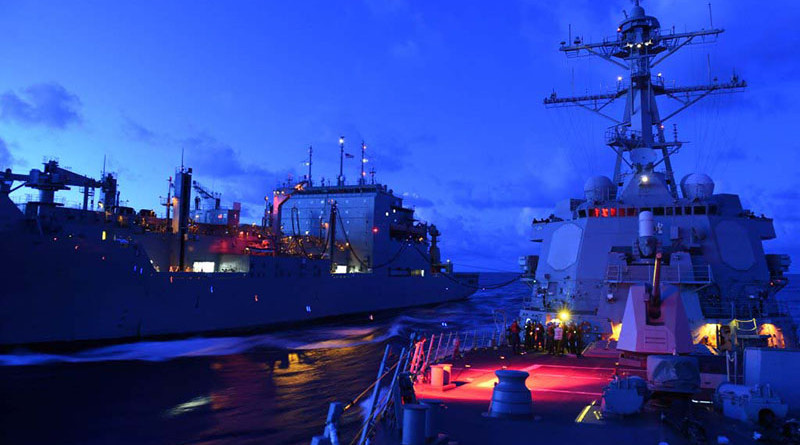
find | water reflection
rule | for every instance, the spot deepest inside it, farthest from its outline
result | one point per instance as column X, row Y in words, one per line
column 269, row 388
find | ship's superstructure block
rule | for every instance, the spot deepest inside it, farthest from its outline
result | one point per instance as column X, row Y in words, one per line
column 595, row 249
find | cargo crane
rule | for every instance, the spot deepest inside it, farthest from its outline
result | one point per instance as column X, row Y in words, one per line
column 205, row 194
column 54, row 178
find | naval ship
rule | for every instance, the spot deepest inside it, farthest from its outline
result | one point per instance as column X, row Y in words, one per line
column 109, row 273
column 594, row 248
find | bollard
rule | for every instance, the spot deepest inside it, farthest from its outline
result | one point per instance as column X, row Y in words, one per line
column 438, row 376
column 510, row 397
column 414, row 419
column 433, row 418
column 448, row 372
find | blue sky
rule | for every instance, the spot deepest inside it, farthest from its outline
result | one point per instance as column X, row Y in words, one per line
column 447, row 95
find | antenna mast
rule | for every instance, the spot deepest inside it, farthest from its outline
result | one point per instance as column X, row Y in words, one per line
column 340, row 179
column 310, row 153
column 639, row 46
column 363, row 178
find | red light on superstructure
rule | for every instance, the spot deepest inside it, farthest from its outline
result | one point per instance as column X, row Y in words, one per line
column 374, row 230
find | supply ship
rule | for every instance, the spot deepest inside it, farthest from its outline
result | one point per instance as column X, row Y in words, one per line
column 594, row 248
column 107, row 273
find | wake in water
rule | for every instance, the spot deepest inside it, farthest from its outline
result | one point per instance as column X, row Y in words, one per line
column 156, row 351
column 472, row 314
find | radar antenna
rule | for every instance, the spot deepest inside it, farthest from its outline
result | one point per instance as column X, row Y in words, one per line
column 639, row 46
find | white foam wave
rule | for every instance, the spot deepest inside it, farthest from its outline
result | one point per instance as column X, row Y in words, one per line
column 321, row 338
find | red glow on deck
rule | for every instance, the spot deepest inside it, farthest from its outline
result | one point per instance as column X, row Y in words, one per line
column 548, row 383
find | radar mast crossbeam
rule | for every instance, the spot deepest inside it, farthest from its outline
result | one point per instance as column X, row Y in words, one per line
column 639, row 45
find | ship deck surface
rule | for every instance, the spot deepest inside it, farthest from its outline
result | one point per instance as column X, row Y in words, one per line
column 566, row 393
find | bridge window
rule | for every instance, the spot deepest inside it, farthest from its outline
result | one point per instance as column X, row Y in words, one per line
column 631, row 211
column 669, row 210
column 679, row 211
column 699, row 210
column 658, row 211
column 581, row 213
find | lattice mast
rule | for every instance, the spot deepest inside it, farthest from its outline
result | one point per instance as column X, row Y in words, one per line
column 638, row 47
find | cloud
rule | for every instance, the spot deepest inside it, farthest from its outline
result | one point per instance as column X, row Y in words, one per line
column 6, row 160
column 245, row 180
column 46, row 104
column 137, row 132
column 518, row 193
column 406, row 50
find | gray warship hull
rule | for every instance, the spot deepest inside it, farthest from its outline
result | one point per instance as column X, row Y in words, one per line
column 66, row 289
column 85, row 275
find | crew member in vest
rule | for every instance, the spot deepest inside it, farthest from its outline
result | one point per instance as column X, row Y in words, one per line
column 558, row 337
column 538, row 337
column 551, row 333
column 573, row 338
column 514, row 331
column 528, row 335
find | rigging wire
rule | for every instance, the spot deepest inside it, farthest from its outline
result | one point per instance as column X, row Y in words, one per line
column 363, row 263
column 461, row 283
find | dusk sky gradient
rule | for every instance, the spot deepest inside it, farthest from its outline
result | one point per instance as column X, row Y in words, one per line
column 447, row 95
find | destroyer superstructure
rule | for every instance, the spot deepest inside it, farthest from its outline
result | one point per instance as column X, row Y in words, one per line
column 105, row 272
column 594, row 248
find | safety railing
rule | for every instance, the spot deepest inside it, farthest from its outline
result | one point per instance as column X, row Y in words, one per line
column 616, row 273
column 379, row 407
column 447, row 345
column 713, row 307
column 394, row 383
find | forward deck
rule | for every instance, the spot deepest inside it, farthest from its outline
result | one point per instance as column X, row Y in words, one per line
column 566, row 393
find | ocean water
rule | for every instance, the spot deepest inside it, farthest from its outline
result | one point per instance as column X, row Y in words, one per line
column 263, row 389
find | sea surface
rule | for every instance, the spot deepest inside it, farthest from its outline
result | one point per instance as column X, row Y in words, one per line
column 263, row 389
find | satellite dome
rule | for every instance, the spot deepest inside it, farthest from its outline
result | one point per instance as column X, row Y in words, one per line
column 637, row 12
column 697, row 186
column 599, row 188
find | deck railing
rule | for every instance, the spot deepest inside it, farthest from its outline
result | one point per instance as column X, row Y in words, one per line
column 391, row 386
column 616, row 273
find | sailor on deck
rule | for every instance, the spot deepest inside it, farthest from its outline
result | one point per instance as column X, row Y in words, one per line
column 528, row 335
column 538, row 337
column 558, row 337
column 514, row 331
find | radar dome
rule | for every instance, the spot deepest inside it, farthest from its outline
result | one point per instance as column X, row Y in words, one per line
column 637, row 12
column 599, row 188
column 697, row 186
